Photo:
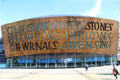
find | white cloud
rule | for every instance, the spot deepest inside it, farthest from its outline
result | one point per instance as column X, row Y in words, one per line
column 95, row 10
column 116, row 12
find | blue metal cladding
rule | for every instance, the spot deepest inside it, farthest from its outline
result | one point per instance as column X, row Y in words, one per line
column 46, row 60
column 71, row 61
column 21, row 61
column 95, row 59
column 51, row 60
column 42, row 60
column 101, row 59
column 88, row 60
column 68, row 60
column 60, row 60
column 78, row 60
column 2, row 60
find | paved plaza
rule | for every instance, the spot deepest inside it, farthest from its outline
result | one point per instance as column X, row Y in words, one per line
column 94, row 73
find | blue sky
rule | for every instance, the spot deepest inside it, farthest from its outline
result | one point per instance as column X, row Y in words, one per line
column 15, row 10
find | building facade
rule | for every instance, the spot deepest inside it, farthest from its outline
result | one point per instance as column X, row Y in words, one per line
column 60, row 42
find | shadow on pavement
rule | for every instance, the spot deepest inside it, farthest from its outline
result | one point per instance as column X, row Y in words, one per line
column 106, row 74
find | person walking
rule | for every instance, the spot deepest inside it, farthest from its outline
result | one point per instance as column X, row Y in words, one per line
column 86, row 67
column 115, row 72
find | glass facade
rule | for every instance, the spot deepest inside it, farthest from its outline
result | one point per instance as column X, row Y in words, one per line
column 67, row 60
column 2, row 55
